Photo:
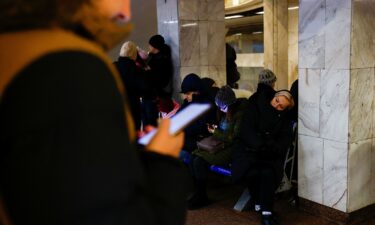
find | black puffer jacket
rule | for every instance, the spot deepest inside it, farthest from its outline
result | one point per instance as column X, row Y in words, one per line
column 264, row 137
column 161, row 73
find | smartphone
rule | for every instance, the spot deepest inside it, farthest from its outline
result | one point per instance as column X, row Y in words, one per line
column 181, row 120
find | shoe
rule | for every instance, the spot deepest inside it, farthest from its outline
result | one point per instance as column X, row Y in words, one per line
column 197, row 201
column 268, row 220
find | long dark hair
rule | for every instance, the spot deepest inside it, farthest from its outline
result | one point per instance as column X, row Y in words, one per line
column 232, row 110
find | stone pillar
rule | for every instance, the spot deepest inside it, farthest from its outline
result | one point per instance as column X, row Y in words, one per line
column 276, row 40
column 337, row 103
column 195, row 30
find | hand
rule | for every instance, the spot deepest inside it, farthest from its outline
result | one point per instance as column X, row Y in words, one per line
column 211, row 128
column 164, row 143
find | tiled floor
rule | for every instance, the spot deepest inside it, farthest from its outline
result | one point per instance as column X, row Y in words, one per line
column 224, row 195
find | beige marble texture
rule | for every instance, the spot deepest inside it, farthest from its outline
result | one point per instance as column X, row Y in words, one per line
column 188, row 9
column 203, row 42
column 335, row 174
column 334, row 107
column 309, row 102
column 363, row 26
column 189, row 43
column 337, row 34
column 203, row 10
column 215, row 10
column 362, row 93
column 310, row 168
column 359, row 185
column 218, row 73
column 250, row 60
column 216, row 43
column 373, row 168
column 311, row 34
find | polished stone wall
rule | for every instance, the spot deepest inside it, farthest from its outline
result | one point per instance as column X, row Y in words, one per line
column 336, row 109
column 195, row 30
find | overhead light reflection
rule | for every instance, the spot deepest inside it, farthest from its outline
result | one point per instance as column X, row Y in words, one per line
column 233, row 17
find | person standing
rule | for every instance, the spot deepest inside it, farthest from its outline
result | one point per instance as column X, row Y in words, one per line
column 67, row 140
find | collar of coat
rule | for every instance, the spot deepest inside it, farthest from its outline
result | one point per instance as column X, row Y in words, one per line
column 20, row 48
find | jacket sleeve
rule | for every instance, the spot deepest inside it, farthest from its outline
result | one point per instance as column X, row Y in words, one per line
column 77, row 165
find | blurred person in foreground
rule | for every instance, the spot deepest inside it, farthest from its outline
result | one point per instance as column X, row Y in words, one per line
column 67, row 140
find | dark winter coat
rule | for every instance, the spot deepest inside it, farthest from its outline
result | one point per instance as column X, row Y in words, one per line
column 198, row 129
column 227, row 136
column 66, row 153
column 161, row 72
column 264, row 137
column 135, row 85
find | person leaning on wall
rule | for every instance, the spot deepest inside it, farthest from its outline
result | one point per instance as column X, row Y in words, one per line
column 264, row 138
column 67, row 140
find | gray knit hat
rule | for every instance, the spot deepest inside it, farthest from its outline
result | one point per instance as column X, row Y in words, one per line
column 267, row 77
column 225, row 97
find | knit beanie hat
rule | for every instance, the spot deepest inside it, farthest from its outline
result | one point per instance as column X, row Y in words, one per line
column 225, row 97
column 267, row 77
column 192, row 82
column 157, row 41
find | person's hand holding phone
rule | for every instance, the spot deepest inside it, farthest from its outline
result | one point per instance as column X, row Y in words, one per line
column 211, row 128
column 164, row 143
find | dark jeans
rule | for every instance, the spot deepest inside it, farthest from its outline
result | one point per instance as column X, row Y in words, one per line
column 262, row 183
column 149, row 112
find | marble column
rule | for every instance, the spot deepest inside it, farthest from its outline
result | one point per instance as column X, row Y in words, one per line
column 276, row 40
column 337, row 103
column 195, row 30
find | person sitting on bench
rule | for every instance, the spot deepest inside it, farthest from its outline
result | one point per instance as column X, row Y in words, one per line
column 260, row 150
column 231, row 110
column 265, row 136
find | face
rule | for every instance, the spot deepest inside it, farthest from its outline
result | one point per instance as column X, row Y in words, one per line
column 280, row 103
column 118, row 10
column 152, row 49
column 224, row 109
column 188, row 96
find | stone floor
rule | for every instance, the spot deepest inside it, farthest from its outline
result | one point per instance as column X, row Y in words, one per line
column 223, row 196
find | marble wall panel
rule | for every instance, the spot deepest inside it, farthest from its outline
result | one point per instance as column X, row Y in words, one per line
column 337, row 34
column 203, row 42
column 334, row 106
column 216, row 43
column 189, row 43
column 166, row 11
column 292, row 46
column 215, row 10
column 218, row 73
column 310, row 168
column 311, row 34
column 362, row 93
column 335, row 175
column 373, row 168
column 203, row 10
column 373, row 111
column 309, row 102
column 185, row 70
column 188, row 9
column 363, row 38
column 359, row 186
